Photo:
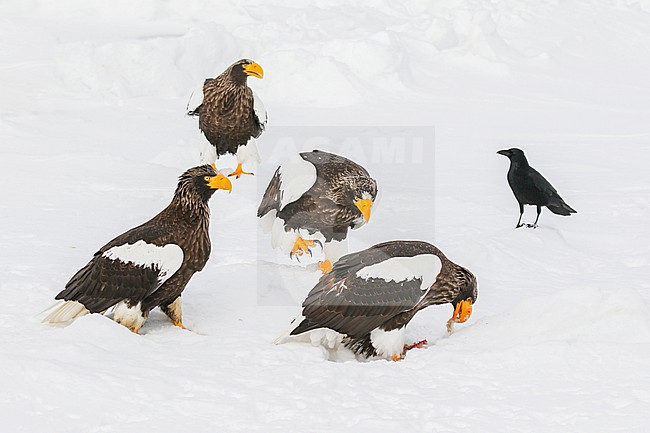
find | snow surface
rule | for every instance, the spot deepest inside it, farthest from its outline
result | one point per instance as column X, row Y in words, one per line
column 94, row 135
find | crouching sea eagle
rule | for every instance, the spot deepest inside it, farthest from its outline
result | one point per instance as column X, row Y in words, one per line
column 231, row 116
column 149, row 265
column 370, row 296
column 317, row 193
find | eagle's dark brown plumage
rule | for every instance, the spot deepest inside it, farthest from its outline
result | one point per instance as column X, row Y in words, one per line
column 149, row 265
column 229, row 114
column 373, row 292
column 336, row 196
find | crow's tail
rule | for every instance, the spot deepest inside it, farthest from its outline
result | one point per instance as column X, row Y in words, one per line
column 559, row 207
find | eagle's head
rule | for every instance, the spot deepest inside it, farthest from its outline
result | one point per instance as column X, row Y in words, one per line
column 202, row 182
column 364, row 193
column 244, row 68
column 465, row 281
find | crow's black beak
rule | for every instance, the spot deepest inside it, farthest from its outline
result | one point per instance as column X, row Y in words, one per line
column 503, row 152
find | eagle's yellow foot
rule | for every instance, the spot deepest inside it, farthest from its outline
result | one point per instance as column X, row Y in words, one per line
column 302, row 246
column 238, row 172
column 179, row 324
column 397, row 358
column 325, row 266
column 135, row 331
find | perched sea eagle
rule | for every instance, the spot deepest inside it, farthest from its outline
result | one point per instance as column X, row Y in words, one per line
column 231, row 116
column 530, row 187
column 149, row 265
column 317, row 193
column 370, row 296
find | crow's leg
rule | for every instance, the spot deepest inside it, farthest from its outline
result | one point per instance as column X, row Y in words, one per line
column 539, row 211
column 521, row 214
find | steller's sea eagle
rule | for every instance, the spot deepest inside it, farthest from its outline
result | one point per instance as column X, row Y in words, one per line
column 231, row 116
column 149, row 265
column 317, row 193
column 530, row 187
column 370, row 296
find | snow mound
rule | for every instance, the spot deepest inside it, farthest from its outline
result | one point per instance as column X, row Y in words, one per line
column 578, row 315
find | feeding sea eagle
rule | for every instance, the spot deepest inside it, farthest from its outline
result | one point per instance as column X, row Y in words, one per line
column 231, row 116
column 149, row 265
column 317, row 193
column 370, row 296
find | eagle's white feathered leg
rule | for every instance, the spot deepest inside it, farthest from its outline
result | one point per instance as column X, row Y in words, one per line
column 130, row 316
column 388, row 344
column 334, row 250
column 280, row 238
column 248, row 153
column 207, row 152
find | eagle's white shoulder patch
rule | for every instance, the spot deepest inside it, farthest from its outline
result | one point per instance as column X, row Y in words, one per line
column 424, row 266
column 297, row 176
column 167, row 258
column 196, row 99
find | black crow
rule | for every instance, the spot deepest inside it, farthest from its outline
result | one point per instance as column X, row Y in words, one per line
column 530, row 187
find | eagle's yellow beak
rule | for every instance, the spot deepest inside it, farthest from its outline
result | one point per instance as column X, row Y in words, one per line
column 364, row 206
column 463, row 311
column 254, row 70
column 220, row 182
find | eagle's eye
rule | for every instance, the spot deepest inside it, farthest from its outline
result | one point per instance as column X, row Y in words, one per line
column 206, row 178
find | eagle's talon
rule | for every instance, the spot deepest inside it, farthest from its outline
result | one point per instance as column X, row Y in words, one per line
column 300, row 247
column 325, row 266
column 179, row 324
column 238, row 172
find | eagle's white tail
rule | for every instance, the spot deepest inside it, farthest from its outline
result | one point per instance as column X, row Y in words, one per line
column 325, row 337
column 65, row 311
column 286, row 334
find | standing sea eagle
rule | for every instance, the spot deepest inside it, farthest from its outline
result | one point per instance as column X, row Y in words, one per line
column 231, row 116
column 530, row 187
column 370, row 296
column 149, row 265
column 317, row 192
